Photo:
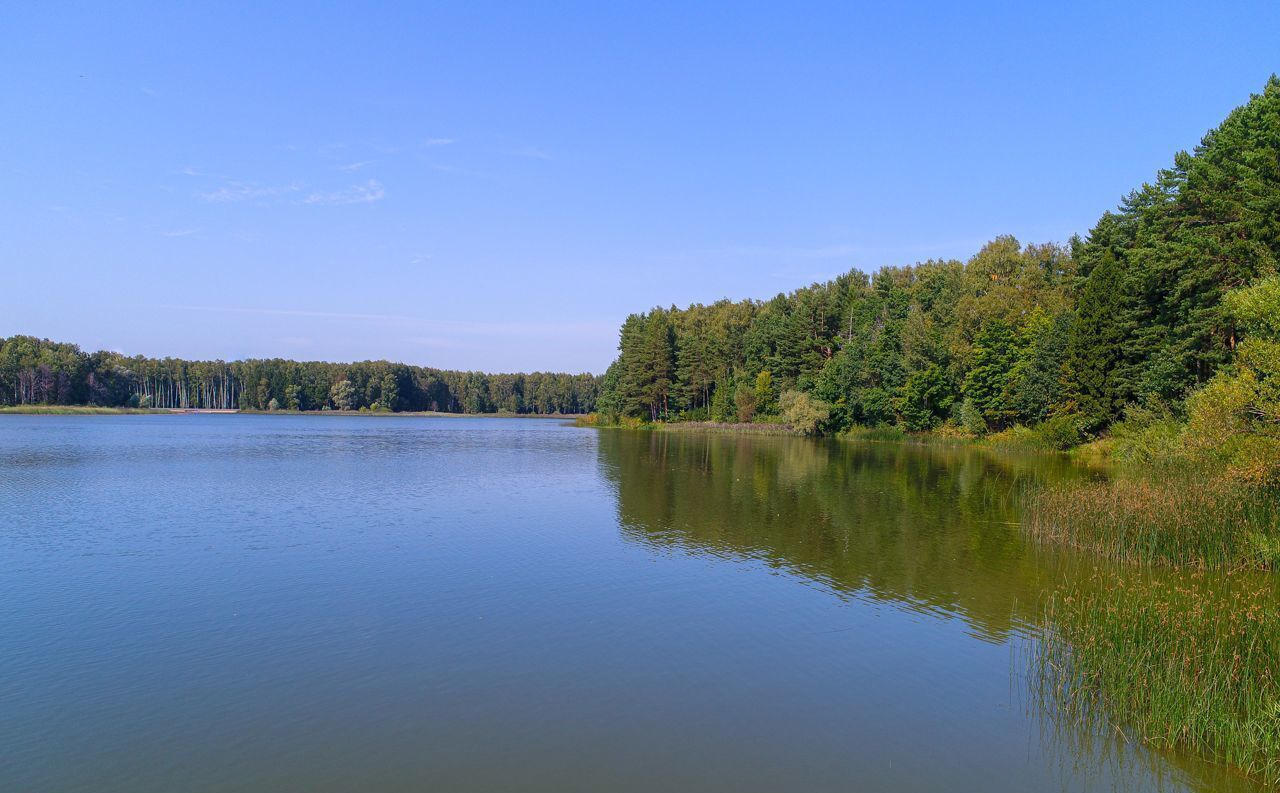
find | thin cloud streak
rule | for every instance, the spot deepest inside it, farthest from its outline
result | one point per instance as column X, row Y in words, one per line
column 247, row 192
column 368, row 192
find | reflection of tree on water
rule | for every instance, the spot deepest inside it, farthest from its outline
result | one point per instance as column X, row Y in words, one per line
column 930, row 528
column 934, row 528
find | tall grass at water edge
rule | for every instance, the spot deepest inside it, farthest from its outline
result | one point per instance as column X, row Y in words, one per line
column 1188, row 662
column 1178, row 518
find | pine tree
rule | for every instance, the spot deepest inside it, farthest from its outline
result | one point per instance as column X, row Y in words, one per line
column 995, row 353
column 1098, row 387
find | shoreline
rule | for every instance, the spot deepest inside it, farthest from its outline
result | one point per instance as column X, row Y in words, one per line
column 1011, row 441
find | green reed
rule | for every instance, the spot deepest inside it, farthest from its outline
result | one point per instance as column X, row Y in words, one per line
column 1188, row 662
column 1179, row 518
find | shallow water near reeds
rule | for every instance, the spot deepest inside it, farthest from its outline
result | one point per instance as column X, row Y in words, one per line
column 312, row 603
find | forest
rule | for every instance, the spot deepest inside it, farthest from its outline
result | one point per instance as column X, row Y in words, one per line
column 1150, row 346
column 40, row 372
column 1067, row 338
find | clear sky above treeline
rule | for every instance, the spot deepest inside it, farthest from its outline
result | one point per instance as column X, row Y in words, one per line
column 496, row 186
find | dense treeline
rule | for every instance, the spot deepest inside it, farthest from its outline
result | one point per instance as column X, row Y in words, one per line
column 38, row 371
column 1064, row 335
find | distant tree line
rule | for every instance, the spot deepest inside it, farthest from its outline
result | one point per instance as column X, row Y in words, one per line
column 1133, row 314
column 38, row 371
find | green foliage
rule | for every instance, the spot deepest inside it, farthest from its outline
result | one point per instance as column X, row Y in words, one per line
column 1149, row 435
column 609, row 403
column 722, row 403
column 343, row 395
column 1096, row 360
column 765, row 398
column 1257, row 308
column 1206, row 225
column 744, row 400
column 805, row 414
column 1235, row 419
column 971, row 418
column 647, row 366
column 926, row 399
column 389, row 397
column 988, row 383
column 894, row 348
column 1060, row 432
column 38, row 371
column 1036, row 388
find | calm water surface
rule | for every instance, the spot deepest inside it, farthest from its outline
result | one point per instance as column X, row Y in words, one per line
column 271, row 603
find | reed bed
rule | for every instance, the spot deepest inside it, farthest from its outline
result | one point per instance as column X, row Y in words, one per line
column 1178, row 519
column 72, row 410
column 1188, row 662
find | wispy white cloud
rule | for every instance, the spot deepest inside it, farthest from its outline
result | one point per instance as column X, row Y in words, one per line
column 178, row 232
column 371, row 190
column 242, row 191
column 355, row 166
column 439, row 141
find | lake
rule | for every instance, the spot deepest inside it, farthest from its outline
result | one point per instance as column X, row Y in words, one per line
column 318, row 603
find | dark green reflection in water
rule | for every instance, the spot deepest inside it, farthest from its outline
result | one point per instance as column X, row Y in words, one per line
column 933, row 529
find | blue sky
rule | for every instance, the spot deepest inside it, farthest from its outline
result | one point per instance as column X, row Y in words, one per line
column 496, row 186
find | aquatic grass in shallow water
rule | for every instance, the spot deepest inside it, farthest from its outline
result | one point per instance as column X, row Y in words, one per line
column 1179, row 519
column 1191, row 663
